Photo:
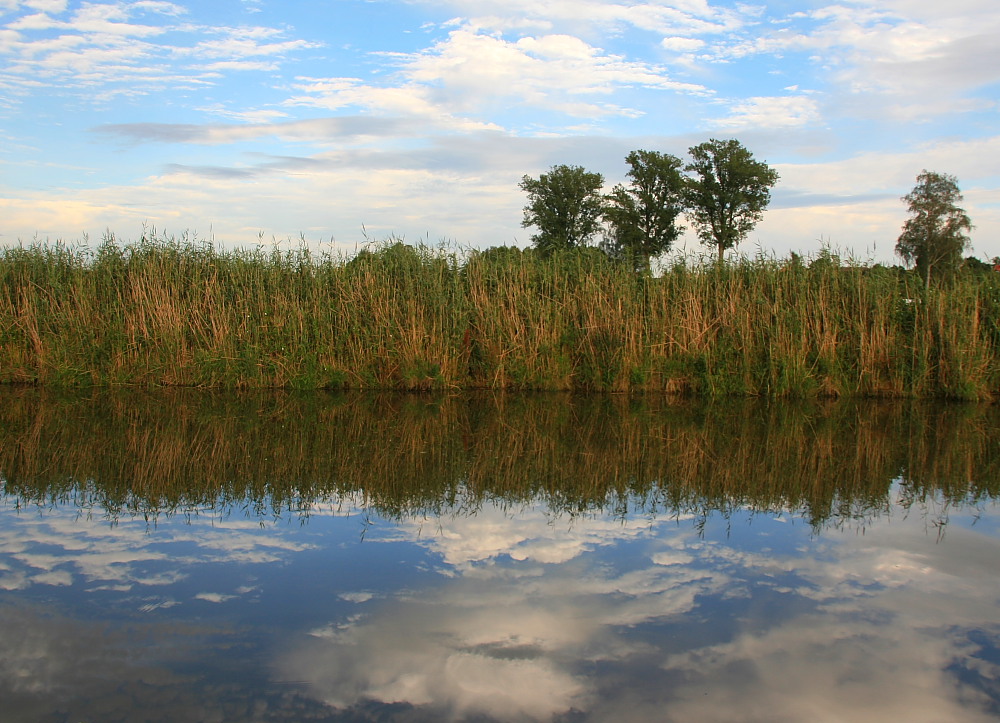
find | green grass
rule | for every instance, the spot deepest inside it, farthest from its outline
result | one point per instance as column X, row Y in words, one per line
column 168, row 312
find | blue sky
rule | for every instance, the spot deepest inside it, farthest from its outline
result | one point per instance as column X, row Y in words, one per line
column 242, row 119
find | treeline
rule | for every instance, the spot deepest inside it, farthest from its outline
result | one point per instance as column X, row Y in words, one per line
column 723, row 192
column 280, row 454
column 164, row 312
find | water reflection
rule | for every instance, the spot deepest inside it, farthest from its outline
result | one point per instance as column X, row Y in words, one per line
column 278, row 454
column 681, row 630
column 270, row 557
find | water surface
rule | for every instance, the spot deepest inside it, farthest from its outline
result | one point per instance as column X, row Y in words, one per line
column 258, row 557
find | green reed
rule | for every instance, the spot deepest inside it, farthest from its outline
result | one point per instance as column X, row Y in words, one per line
column 179, row 313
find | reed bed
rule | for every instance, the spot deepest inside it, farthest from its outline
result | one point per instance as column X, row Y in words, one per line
column 163, row 312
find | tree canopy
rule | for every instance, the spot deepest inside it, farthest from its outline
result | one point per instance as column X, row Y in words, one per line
column 642, row 216
column 936, row 233
column 723, row 191
column 565, row 205
column 727, row 193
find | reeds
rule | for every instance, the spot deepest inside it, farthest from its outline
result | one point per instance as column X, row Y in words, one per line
column 168, row 312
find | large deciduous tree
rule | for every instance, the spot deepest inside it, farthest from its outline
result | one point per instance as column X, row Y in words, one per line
column 642, row 217
column 565, row 205
column 727, row 193
column 936, row 233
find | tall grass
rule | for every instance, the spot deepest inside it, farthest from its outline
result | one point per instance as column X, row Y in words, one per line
column 168, row 312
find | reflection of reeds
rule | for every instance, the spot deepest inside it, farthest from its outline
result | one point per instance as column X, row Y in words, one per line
column 170, row 313
column 401, row 455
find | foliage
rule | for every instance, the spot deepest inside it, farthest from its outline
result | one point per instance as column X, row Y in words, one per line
column 391, row 254
column 727, row 195
column 565, row 206
column 977, row 266
column 935, row 235
column 642, row 216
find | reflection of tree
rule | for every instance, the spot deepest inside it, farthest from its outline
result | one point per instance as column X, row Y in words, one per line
column 263, row 454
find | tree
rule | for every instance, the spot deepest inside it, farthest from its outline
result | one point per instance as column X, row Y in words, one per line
column 565, row 205
column 642, row 217
column 728, row 193
column 935, row 235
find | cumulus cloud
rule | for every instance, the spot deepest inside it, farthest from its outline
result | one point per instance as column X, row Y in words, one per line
column 893, row 601
column 547, row 72
column 901, row 61
column 769, row 113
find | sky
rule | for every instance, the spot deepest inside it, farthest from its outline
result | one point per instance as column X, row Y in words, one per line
column 338, row 123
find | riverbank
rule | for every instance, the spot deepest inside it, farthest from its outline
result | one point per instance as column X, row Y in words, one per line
column 165, row 312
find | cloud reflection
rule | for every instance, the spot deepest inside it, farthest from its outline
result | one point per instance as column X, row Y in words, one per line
column 59, row 549
column 524, row 617
column 602, row 620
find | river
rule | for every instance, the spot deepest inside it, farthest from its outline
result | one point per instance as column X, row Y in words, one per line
column 191, row 555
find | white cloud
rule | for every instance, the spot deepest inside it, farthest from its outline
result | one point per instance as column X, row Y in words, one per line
column 163, row 8
column 106, row 50
column 240, row 65
column 549, row 72
column 889, row 605
column 105, row 22
column 682, row 45
column 261, row 117
column 889, row 171
column 241, row 43
column 900, row 61
column 771, row 113
column 46, row 6
column 679, row 17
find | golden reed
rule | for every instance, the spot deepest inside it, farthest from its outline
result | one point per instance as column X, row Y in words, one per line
column 170, row 313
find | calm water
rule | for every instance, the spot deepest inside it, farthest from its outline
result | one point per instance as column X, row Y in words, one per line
column 192, row 556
